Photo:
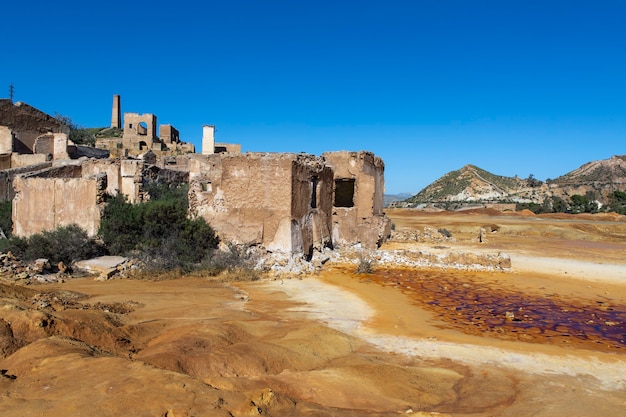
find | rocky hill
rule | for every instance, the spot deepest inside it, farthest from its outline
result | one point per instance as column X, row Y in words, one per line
column 596, row 181
column 473, row 184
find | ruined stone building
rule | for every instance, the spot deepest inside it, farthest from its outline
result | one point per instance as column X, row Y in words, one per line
column 30, row 140
column 289, row 202
column 209, row 146
column 74, row 191
column 22, row 124
column 282, row 202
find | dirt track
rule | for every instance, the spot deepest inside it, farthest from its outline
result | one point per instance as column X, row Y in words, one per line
column 339, row 344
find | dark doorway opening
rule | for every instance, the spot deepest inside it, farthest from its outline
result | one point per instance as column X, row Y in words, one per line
column 314, row 181
column 344, row 192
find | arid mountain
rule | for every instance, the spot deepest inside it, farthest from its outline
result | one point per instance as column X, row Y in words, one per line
column 606, row 171
column 597, row 180
column 390, row 198
column 473, row 184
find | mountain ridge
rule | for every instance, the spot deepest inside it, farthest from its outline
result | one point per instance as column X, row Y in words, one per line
column 596, row 182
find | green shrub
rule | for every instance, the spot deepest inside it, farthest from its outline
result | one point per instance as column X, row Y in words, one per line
column 6, row 221
column 157, row 231
column 65, row 244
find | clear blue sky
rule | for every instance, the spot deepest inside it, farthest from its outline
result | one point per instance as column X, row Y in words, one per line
column 515, row 87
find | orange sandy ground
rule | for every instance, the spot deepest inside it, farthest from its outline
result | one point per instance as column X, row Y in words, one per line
column 395, row 342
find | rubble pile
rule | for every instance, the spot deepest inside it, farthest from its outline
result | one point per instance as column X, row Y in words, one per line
column 427, row 235
column 420, row 258
column 39, row 270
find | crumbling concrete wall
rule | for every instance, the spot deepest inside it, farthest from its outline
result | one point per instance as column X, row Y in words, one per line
column 263, row 199
column 5, row 161
column 169, row 134
column 53, row 198
column 7, row 192
column 6, row 140
column 53, row 144
column 221, row 147
column 110, row 167
column 125, row 176
column 27, row 124
column 24, row 160
column 358, row 216
column 131, row 179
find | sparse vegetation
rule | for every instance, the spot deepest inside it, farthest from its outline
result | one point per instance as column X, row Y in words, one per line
column 78, row 134
column 365, row 265
column 6, row 222
column 232, row 263
column 618, row 202
column 65, row 244
column 109, row 132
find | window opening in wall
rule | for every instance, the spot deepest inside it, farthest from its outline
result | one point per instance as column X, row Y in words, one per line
column 142, row 128
column 314, row 181
column 207, row 186
column 344, row 192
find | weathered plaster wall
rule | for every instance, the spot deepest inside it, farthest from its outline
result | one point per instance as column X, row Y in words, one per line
column 246, row 198
column 6, row 140
column 285, row 202
column 131, row 179
column 110, row 167
column 54, row 144
column 311, row 203
column 364, row 222
column 168, row 134
column 262, row 198
column 24, row 160
column 27, row 124
column 5, row 161
column 227, row 147
column 7, row 191
column 45, row 203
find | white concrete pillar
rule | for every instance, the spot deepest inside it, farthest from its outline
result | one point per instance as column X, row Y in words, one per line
column 208, row 140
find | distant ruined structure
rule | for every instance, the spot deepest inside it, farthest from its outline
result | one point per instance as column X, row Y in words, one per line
column 282, row 202
column 139, row 135
column 116, row 112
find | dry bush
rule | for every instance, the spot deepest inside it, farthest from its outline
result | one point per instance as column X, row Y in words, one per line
column 365, row 265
